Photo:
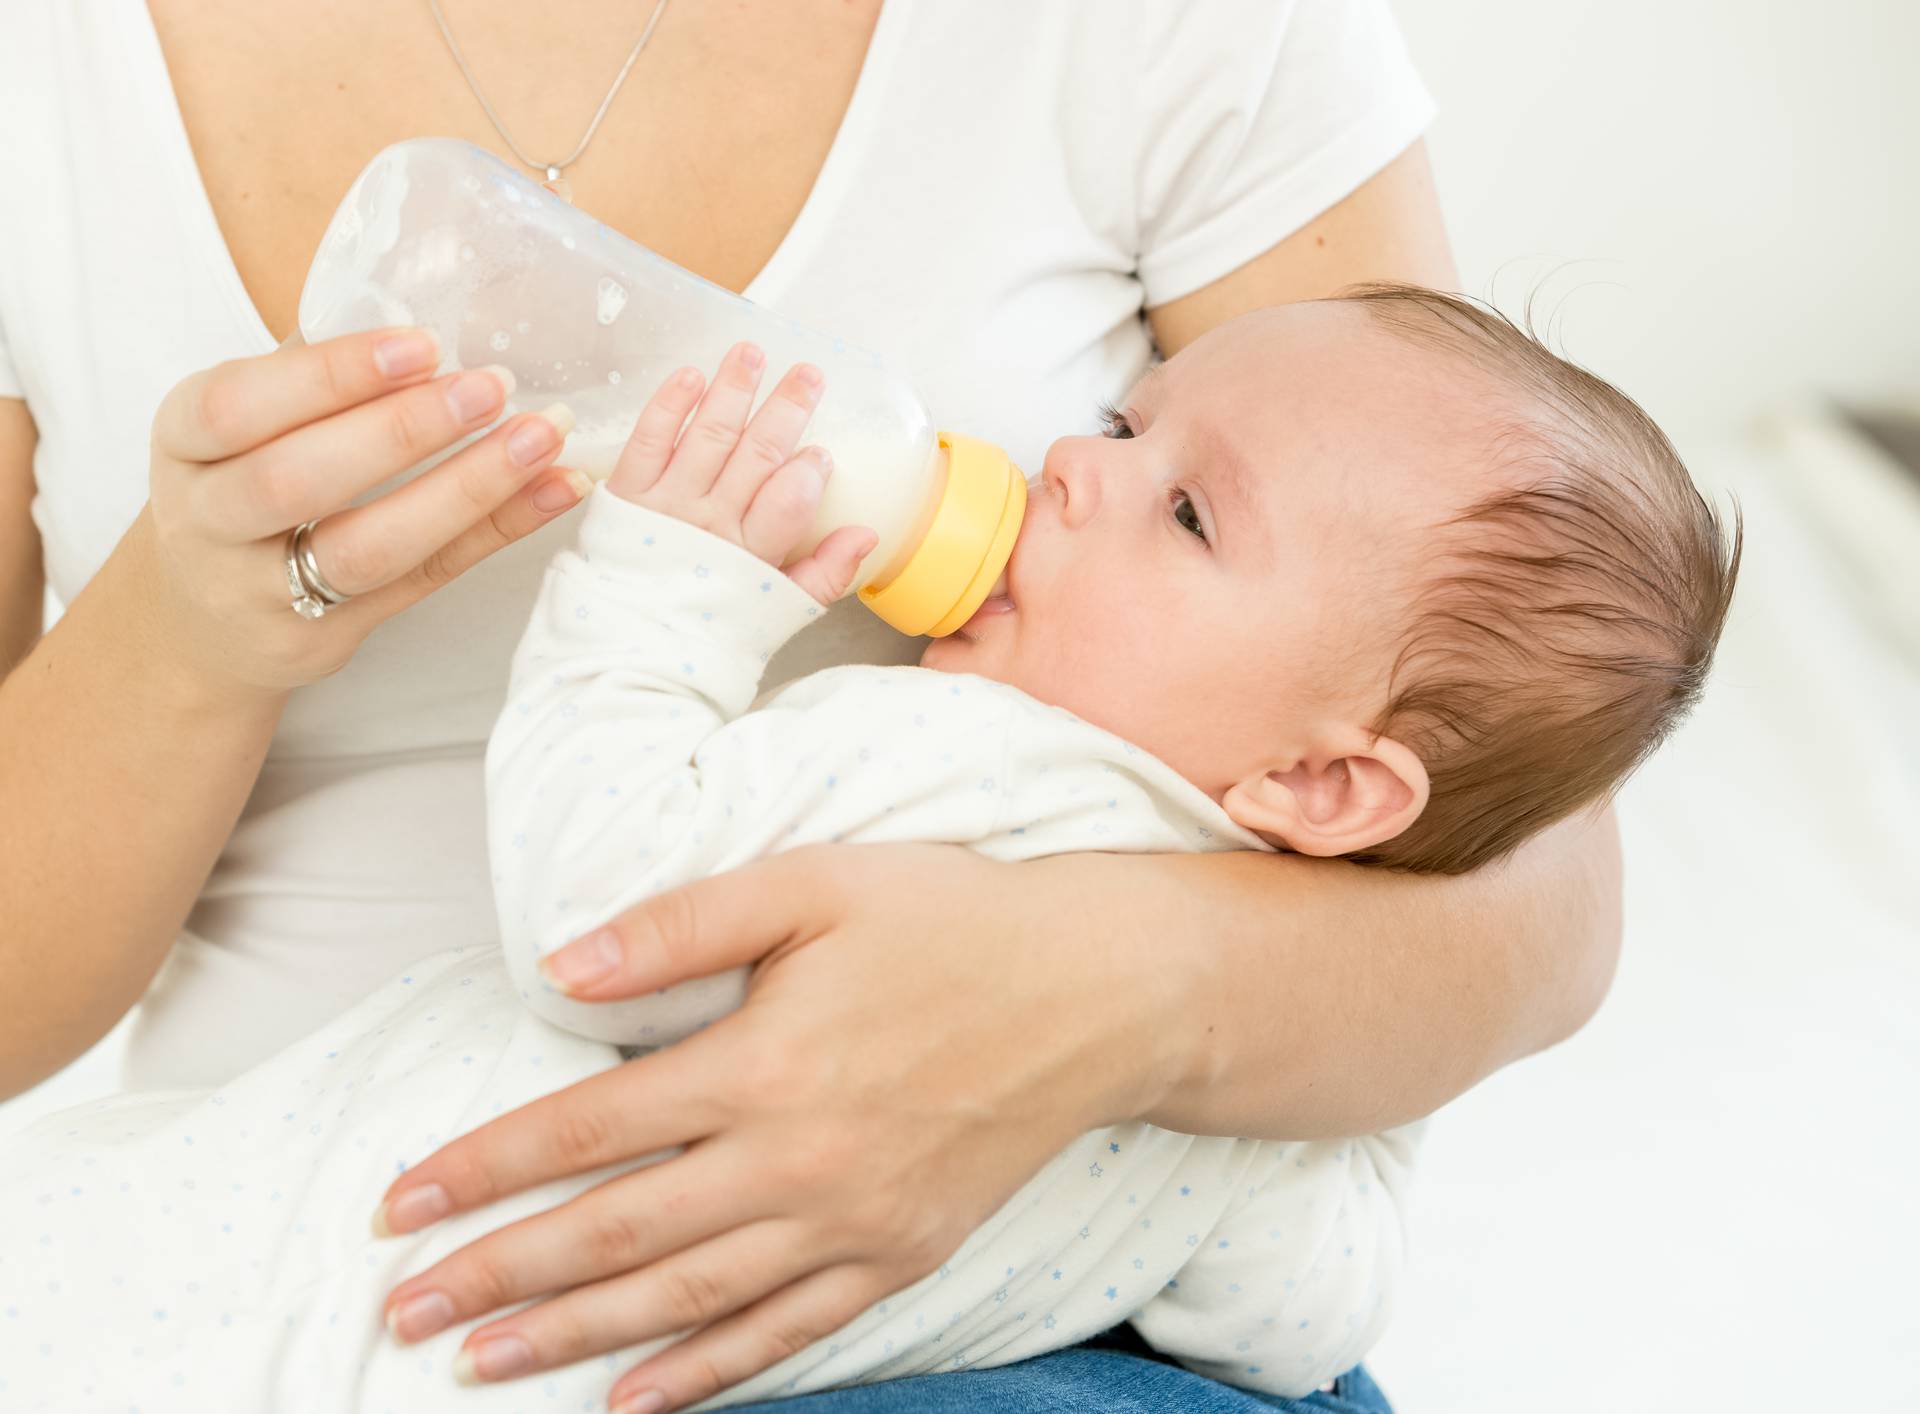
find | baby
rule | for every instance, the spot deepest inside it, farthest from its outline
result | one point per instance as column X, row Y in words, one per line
column 1374, row 576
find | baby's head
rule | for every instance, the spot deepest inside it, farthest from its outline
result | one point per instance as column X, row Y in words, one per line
column 1379, row 573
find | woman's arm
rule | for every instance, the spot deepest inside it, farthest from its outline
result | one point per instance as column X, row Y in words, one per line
column 1309, row 998
column 117, row 798
column 132, row 733
column 1388, row 228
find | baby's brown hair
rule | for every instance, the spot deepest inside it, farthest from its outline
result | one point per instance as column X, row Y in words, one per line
column 1569, row 620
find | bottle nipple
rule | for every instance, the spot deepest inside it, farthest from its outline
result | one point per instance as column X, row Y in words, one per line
column 962, row 557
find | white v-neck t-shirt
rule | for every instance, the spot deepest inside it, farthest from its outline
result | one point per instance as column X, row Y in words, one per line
column 1111, row 158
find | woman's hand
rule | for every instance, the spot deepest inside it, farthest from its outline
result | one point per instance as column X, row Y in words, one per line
column 246, row 450
column 910, row 1052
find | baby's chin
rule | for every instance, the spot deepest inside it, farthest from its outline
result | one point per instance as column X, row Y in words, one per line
column 971, row 648
column 954, row 654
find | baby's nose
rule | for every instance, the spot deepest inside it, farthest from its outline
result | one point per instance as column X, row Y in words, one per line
column 1075, row 480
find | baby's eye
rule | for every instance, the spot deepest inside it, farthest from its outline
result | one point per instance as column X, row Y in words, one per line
column 1186, row 516
column 1113, row 422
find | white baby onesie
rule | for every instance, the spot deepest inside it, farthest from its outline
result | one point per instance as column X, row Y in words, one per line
column 204, row 1250
column 627, row 762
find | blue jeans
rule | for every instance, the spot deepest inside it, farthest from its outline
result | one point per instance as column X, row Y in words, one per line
column 1114, row 1372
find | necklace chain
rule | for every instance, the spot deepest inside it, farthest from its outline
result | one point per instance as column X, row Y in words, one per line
column 553, row 169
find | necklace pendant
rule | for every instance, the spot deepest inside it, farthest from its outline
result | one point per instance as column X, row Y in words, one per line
column 558, row 185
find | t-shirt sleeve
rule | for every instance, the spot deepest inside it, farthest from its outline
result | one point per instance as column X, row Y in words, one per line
column 10, row 386
column 1259, row 117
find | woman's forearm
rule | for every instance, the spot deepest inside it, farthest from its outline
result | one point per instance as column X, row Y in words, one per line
column 120, row 777
column 1319, row 998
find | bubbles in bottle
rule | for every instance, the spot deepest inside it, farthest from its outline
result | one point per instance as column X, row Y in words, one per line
column 610, row 299
column 470, row 183
column 466, row 252
column 567, row 241
column 499, row 340
column 613, row 375
column 524, row 325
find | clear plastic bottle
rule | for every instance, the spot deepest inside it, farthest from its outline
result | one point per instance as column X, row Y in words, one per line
column 439, row 233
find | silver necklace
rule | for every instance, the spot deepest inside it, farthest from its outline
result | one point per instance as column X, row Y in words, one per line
column 553, row 169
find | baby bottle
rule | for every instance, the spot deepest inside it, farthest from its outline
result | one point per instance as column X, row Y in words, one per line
column 439, row 233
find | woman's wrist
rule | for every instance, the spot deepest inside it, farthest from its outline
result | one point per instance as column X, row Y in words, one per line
column 1146, row 1041
column 132, row 606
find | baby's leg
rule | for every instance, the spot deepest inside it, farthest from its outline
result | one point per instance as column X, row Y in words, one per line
column 203, row 1249
column 1294, row 1284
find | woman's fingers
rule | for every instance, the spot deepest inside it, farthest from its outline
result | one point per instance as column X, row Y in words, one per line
column 236, row 406
column 550, row 494
column 320, row 467
column 730, row 920
column 756, row 1339
column 682, row 1293
column 647, row 1105
column 650, row 445
column 365, row 547
column 632, row 1220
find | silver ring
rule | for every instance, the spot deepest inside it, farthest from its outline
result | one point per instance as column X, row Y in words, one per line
column 312, row 595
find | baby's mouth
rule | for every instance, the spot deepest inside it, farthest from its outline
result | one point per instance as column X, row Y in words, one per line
column 998, row 601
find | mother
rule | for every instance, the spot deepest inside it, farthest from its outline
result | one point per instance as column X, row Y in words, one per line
column 249, row 819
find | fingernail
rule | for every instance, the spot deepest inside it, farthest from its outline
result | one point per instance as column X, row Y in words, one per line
column 539, row 434
column 648, row 1401
column 415, row 1208
column 494, row 1359
column 807, row 376
column 420, row 1316
column 569, row 488
column 397, row 355
column 474, row 395
column 751, row 358
column 822, row 458
column 580, row 964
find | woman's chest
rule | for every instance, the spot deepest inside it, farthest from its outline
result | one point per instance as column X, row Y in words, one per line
column 706, row 154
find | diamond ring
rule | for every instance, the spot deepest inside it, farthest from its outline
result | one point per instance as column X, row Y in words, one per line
column 312, row 595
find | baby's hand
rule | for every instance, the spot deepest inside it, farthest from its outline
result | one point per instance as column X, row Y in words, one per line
column 747, row 487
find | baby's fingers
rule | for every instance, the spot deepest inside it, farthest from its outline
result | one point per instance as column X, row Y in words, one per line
column 828, row 572
column 783, row 509
column 650, row 445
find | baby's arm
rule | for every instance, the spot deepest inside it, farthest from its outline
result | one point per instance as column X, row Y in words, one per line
column 1295, row 1283
column 625, row 761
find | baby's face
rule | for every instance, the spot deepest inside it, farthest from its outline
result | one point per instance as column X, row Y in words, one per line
column 1217, row 576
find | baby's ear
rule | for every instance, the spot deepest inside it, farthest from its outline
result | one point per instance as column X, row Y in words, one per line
column 1331, row 804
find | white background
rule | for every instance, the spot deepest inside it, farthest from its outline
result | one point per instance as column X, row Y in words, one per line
column 1705, row 1200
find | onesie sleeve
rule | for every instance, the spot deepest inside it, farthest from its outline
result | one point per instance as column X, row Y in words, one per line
column 1295, row 1283
column 1261, row 114
column 626, row 762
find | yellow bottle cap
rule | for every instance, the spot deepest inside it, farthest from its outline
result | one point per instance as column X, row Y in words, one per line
column 967, row 544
